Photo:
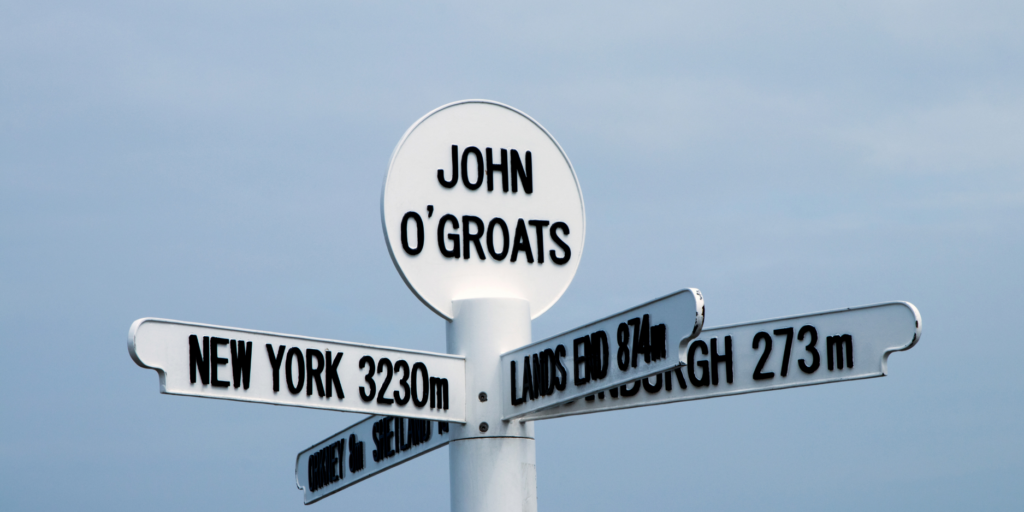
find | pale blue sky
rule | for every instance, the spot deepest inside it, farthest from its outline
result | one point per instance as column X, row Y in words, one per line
column 221, row 162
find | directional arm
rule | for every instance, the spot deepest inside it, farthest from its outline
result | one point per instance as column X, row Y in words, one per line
column 255, row 366
column 619, row 349
column 819, row 348
column 365, row 449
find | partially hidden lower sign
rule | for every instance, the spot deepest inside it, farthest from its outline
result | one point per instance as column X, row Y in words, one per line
column 616, row 350
column 804, row 350
column 255, row 366
column 371, row 446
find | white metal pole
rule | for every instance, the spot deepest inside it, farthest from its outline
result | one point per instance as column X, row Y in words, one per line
column 493, row 464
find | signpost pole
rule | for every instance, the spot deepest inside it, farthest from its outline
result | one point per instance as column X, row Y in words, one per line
column 492, row 463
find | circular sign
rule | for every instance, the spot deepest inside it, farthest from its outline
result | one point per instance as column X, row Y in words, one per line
column 480, row 201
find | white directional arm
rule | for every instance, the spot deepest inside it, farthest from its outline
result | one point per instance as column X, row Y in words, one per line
column 255, row 366
column 819, row 348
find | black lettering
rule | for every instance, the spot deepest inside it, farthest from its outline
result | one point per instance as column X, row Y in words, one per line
column 658, row 350
column 521, row 242
column 384, row 364
column 455, row 251
column 638, row 347
column 241, row 362
column 321, row 460
column 529, row 389
column 325, row 461
column 597, row 356
column 472, row 238
column 788, row 331
column 333, row 462
column 318, row 480
column 717, row 359
column 216, row 361
column 566, row 253
column 313, row 372
column 547, row 360
column 419, row 233
column 402, row 437
column 294, row 353
column 540, row 225
column 835, row 344
column 355, row 454
column 563, row 378
column 275, row 363
column 424, row 380
column 365, row 395
column 652, row 388
column 424, row 426
column 815, row 358
column 200, row 358
column 310, row 473
column 622, row 336
column 502, row 168
column 402, row 366
column 333, row 379
column 479, row 168
column 679, row 378
column 341, row 457
column 703, row 365
column 522, row 173
column 322, row 474
column 315, row 480
column 516, row 400
column 439, row 391
column 759, row 373
column 641, row 339
column 455, row 170
column 580, row 377
column 645, row 338
column 538, row 376
column 399, row 436
column 497, row 221
column 378, row 440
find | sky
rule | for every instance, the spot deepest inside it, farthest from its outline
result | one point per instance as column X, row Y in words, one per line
column 221, row 162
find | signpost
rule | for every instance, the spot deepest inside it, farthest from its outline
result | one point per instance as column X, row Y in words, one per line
column 484, row 220
column 831, row 346
column 254, row 366
column 607, row 353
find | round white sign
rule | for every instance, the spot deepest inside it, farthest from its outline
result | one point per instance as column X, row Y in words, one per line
column 480, row 201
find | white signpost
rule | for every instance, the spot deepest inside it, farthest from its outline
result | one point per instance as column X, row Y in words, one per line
column 484, row 220
column 831, row 346
column 610, row 352
column 371, row 446
column 254, row 366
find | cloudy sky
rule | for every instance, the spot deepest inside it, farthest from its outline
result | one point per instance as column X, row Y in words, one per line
column 221, row 162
